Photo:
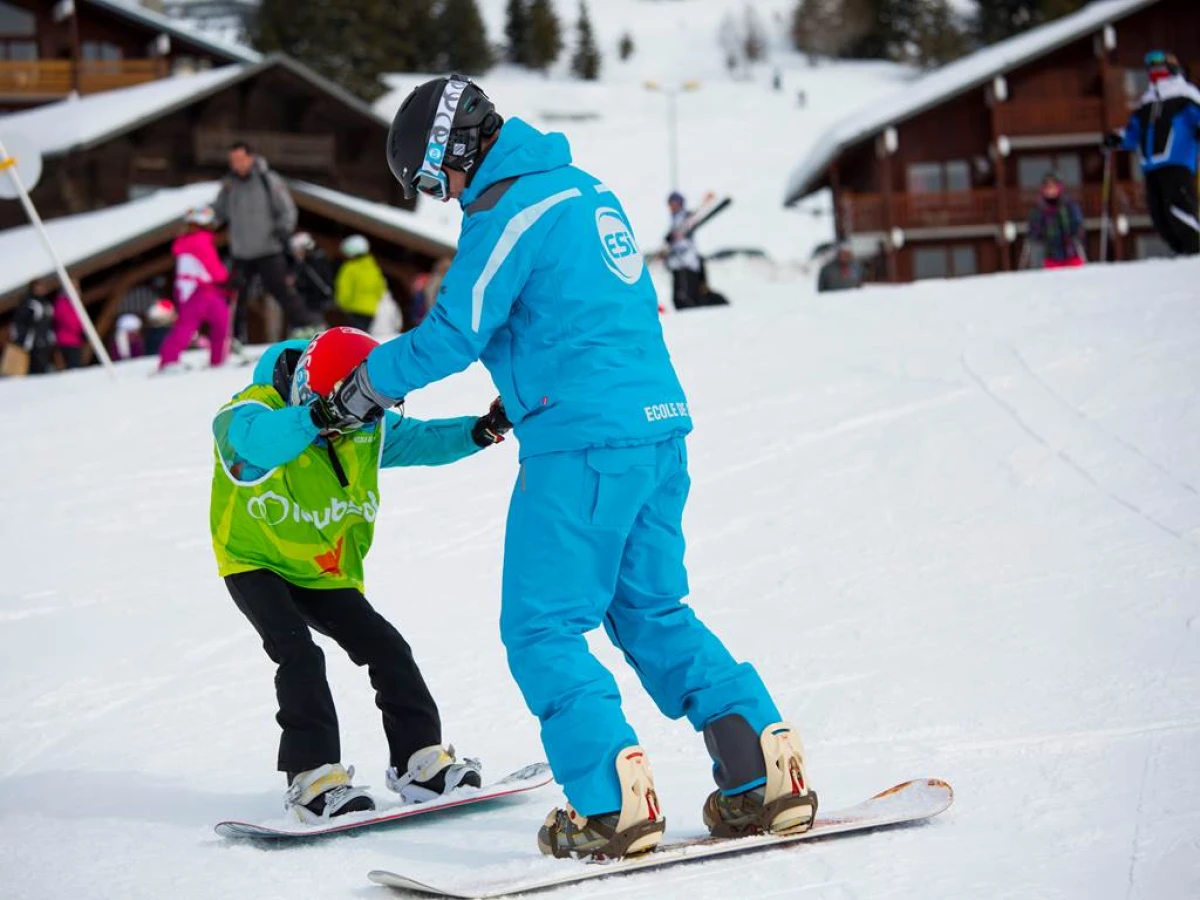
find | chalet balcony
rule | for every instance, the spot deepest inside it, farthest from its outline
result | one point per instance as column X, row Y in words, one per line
column 285, row 152
column 1057, row 116
column 54, row 78
column 959, row 209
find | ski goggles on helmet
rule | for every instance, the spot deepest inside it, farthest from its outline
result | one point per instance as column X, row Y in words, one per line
column 1160, row 59
column 430, row 179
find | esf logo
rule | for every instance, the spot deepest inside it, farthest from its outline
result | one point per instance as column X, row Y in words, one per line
column 621, row 253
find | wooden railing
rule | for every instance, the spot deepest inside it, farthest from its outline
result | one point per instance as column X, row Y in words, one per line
column 866, row 212
column 305, row 152
column 57, row 77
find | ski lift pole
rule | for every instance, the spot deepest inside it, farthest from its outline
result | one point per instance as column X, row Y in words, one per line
column 1105, row 191
column 9, row 164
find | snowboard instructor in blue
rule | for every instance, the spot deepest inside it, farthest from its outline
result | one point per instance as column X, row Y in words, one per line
column 549, row 290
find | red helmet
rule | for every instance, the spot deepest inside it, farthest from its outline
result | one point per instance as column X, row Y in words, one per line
column 327, row 360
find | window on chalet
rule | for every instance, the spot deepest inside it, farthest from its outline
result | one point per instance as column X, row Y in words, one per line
column 16, row 22
column 939, row 177
column 1151, row 246
column 1136, row 83
column 18, row 51
column 1031, row 169
column 942, row 261
column 99, row 51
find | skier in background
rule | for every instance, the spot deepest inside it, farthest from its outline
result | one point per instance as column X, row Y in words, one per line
column 200, row 292
column 295, row 494
column 551, row 292
column 1056, row 223
column 311, row 273
column 841, row 273
column 360, row 284
column 1165, row 131
column 683, row 260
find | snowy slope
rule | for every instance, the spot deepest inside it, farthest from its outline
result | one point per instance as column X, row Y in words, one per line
column 955, row 525
column 736, row 136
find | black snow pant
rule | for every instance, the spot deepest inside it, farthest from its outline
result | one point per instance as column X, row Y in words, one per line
column 282, row 614
column 1171, row 197
column 686, row 284
column 273, row 271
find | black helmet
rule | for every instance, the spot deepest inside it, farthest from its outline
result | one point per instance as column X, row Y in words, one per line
column 441, row 124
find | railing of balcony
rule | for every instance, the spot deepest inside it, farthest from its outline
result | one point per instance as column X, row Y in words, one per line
column 56, row 77
column 300, row 152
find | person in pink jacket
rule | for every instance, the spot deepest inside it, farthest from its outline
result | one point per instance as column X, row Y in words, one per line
column 199, row 292
column 68, row 331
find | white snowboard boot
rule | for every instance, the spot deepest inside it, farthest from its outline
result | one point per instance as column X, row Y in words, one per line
column 433, row 772
column 786, row 804
column 636, row 827
column 320, row 794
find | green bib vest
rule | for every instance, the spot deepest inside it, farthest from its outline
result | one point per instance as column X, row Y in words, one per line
column 297, row 520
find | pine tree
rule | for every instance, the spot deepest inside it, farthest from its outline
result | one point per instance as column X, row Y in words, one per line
column 828, row 27
column 545, row 35
column 938, row 37
column 754, row 36
column 625, row 48
column 585, row 63
column 516, row 31
column 351, row 45
column 462, row 38
column 996, row 20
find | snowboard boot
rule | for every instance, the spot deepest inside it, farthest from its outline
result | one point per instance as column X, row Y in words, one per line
column 322, row 793
column 784, row 804
column 433, row 772
column 635, row 828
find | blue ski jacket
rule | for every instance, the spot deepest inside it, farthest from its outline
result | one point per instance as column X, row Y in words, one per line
column 1165, row 128
column 550, row 291
column 264, row 438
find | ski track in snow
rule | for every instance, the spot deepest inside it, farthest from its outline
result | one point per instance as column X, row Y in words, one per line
column 954, row 525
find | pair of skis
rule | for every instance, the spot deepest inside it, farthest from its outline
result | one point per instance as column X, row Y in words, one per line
column 912, row 801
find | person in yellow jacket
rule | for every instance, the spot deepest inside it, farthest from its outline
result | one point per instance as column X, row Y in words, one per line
column 360, row 284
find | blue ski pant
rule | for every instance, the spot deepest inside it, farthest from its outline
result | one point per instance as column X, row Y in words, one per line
column 594, row 538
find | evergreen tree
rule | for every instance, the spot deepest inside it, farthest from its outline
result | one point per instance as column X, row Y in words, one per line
column 351, row 45
column 892, row 24
column 996, row 20
column 545, row 35
column 754, row 36
column 585, row 63
column 462, row 38
column 516, row 31
column 828, row 27
column 625, row 47
column 938, row 37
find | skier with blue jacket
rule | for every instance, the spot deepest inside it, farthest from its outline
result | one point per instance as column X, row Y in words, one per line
column 1165, row 132
column 549, row 289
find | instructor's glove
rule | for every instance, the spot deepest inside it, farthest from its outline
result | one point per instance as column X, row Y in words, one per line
column 356, row 400
column 492, row 426
column 1112, row 140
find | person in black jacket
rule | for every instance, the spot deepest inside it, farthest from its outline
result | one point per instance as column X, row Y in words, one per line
column 32, row 328
column 311, row 273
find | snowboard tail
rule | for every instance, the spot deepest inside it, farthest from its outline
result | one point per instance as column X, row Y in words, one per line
column 912, row 801
column 526, row 779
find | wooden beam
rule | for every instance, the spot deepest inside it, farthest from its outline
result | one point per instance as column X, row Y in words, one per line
column 835, row 187
column 1000, row 164
column 1106, row 122
column 884, row 170
column 119, row 286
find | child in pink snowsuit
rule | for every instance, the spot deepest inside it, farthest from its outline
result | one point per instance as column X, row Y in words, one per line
column 198, row 276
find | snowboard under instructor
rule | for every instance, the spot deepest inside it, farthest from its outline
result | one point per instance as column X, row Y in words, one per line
column 550, row 291
column 295, row 494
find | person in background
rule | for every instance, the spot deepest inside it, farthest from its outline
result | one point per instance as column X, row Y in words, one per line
column 683, row 260
column 425, row 289
column 1057, row 224
column 1165, row 132
column 841, row 273
column 68, row 331
column 32, row 329
column 261, row 215
column 159, row 318
column 360, row 284
column 127, row 338
column 311, row 273
column 278, row 448
column 200, row 277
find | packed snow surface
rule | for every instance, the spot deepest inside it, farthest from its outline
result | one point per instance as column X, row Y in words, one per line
column 955, row 525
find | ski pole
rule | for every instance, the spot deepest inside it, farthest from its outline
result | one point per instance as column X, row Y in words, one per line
column 1104, row 194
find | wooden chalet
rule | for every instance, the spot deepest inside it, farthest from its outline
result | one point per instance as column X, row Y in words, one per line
column 50, row 49
column 939, row 181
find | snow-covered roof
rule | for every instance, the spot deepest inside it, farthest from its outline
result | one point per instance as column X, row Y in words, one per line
column 949, row 81
column 435, row 224
column 81, row 122
column 137, row 13
column 81, row 238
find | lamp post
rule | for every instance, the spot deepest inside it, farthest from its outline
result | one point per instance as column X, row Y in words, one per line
column 671, row 93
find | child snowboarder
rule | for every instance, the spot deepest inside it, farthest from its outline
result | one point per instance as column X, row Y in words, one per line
column 294, row 497
column 199, row 292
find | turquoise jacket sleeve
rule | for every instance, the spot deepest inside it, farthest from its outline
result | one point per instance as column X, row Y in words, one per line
column 411, row 442
column 495, row 256
column 263, row 437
